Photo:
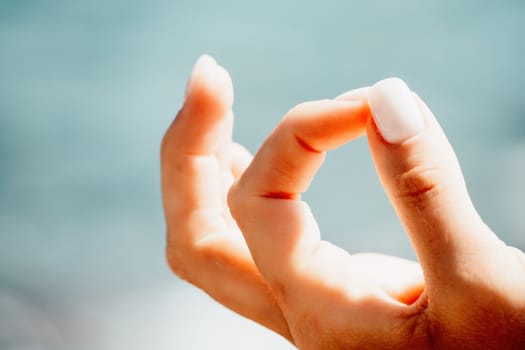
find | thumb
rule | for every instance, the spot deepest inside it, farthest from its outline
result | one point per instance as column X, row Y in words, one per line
column 423, row 180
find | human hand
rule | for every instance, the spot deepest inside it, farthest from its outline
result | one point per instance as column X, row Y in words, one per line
column 246, row 238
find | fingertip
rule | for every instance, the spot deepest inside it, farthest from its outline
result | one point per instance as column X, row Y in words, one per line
column 201, row 125
column 395, row 111
column 209, row 88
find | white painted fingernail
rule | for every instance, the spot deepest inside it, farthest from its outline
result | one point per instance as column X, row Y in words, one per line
column 352, row 95
column 395, row 110
column 203, row 64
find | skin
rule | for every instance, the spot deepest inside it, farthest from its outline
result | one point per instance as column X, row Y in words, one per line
column 237, row 229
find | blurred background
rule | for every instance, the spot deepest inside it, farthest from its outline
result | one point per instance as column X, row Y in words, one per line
column 87, row 89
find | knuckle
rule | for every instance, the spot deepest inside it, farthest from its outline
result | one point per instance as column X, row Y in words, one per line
column 418, row 185
column 294, row 123
column 304, row 107
column 297, row 114
column 290, row 120
column 296, row 110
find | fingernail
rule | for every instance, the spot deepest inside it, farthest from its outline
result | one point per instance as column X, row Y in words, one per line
column 203, row 64
column 353, row 95
column 395, row 110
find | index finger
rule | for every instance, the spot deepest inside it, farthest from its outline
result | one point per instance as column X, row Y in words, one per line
column 290, row 157
column 277, row 226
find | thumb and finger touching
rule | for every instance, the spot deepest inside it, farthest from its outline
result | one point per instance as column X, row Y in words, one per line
column 416, row 166
column 413, row 158
column 415, row 162
column 424, row 182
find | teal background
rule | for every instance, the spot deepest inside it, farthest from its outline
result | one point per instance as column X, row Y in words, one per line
column 87, row 89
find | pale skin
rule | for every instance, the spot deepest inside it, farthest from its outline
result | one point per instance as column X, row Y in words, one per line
column 237, row 229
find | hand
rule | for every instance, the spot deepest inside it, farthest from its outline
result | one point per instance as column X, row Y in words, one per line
column 237, row 227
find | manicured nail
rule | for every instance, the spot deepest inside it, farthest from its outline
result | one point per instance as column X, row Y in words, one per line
column 395, row 111
column 203, row 65
column 353, row 95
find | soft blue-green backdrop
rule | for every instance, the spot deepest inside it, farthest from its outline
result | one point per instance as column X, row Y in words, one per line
column 87, row 89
